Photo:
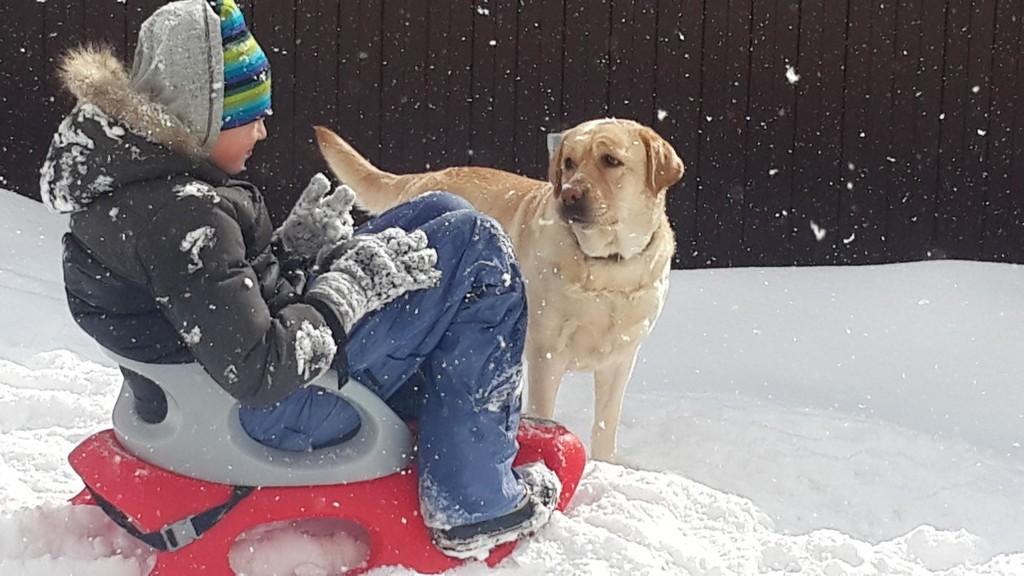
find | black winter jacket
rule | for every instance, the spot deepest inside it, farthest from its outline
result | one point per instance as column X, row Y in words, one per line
column 168, row 260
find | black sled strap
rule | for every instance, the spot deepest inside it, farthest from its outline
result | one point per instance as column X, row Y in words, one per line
column 175, row 535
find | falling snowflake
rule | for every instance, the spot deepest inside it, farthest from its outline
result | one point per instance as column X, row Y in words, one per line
column 791, row 75
column 819, row 232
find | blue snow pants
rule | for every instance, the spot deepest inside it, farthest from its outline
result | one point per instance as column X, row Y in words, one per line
column 449, row 357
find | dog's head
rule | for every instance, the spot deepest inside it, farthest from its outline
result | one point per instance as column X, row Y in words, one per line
column 610, row 178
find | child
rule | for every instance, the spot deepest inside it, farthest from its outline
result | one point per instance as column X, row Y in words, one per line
column 171, row 260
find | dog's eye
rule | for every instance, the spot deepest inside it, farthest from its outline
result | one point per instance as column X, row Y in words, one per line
column 569, row 164
column 611, row 161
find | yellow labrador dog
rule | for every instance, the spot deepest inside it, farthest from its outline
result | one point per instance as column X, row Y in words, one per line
column 594, row 243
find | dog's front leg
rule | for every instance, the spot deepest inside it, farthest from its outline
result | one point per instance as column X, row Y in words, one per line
column 545, row 372
column 609, row 387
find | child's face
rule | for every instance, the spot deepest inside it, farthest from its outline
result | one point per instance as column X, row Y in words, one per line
column 234, row 147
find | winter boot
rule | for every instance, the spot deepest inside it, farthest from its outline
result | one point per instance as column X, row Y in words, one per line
column 475, row 541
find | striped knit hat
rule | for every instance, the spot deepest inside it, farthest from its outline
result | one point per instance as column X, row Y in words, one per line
column 246, row 69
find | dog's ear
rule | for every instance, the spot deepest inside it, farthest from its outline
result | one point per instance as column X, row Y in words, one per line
column 664, row 167
column 555, row 169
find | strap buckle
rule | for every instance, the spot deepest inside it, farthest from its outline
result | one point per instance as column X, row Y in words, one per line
column 179, row 534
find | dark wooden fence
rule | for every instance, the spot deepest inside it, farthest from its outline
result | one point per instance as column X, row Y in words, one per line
column 897, row 135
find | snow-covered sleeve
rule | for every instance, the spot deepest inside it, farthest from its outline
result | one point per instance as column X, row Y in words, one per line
column 195, row 256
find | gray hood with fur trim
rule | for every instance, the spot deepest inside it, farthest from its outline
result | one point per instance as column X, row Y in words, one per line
column 164, row 116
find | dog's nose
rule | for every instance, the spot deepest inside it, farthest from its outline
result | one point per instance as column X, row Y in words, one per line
column 572, row 194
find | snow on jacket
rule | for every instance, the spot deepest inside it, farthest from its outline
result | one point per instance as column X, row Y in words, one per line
column 168, row 259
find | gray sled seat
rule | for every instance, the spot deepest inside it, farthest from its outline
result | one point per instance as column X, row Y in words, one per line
column 202, row 438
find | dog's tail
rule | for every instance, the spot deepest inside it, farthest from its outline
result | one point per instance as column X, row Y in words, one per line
column 376, row 190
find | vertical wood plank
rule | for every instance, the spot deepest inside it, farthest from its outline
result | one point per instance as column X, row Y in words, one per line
column 1003, row 237
column 359, row 70
column 1017, row 176
column 414, row 65
column 818, row 178
column 916, row 98
column 585, row 64
column 951, row 200
column 1017, row 179
column 503, row 152
column 929, row 126
column 316, row 86
column 867, row 133
column 394, row 37
column 539, row 86
column 485, row 73
column 105, row 22
column 856, row 147
column 712, row 192
column 273, row 166
column 458, row 111
column 723, row 151
column 967, row 229
column 438, row 71
column 494, row 86
column 403, row 123
column 24, row 139
column 769, row 172
column 679, row 114
column 65, row 28
column 633, row 56
column 866, row 213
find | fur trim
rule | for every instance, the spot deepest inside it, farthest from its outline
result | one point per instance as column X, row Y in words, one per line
column 94, row 74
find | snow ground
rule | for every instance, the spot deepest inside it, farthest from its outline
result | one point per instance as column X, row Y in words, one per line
column 781, row 420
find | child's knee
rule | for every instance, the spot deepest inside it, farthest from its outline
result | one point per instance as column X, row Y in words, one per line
column 474, row 253
column 483, row 234
column 441, row 202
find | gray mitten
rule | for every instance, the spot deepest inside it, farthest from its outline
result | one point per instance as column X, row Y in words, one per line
column 317, row 220
column 374, row 269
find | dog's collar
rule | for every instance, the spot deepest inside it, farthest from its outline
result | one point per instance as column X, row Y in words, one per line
column 613, row 257
column 616, row 257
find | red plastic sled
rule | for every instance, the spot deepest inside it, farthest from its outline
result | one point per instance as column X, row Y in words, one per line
column 387, row 507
